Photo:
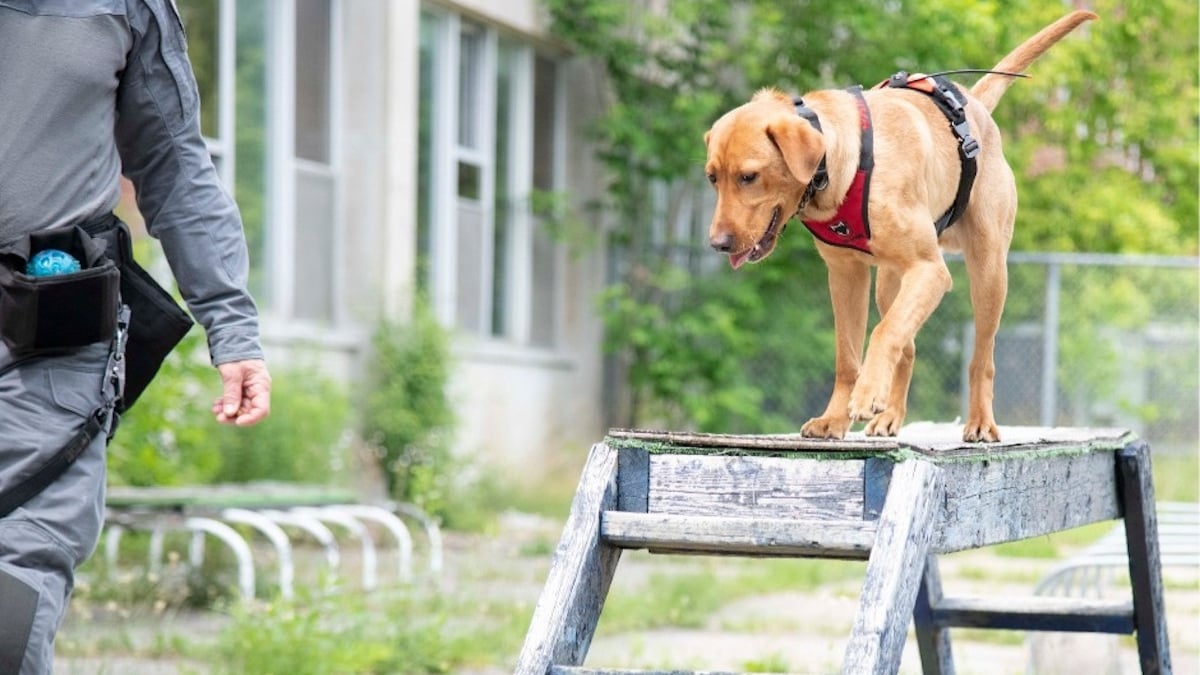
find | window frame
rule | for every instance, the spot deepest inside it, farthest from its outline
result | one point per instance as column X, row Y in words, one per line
column 444, row 204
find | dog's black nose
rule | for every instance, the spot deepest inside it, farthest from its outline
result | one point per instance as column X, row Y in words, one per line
column 721, row 242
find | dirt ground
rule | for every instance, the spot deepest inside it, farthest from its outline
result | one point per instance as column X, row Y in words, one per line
column 804, row 630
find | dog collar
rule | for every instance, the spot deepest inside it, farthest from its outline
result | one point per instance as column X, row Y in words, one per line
column 820, row 179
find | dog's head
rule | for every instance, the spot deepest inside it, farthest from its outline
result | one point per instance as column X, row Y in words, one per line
column 761, row 158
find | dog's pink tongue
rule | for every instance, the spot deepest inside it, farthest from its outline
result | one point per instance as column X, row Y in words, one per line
column 736, row 260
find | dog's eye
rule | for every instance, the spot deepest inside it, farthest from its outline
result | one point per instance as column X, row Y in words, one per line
column 712, row 178
column 748, row 178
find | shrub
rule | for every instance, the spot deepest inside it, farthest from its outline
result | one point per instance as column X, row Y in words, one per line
column 407, row 416
column 170, row 438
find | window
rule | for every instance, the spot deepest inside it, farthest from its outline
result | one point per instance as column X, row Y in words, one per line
column 314, row 247
column 266, row 78
column 489, row 134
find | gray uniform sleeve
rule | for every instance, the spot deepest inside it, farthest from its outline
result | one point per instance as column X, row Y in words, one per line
column 178, row 191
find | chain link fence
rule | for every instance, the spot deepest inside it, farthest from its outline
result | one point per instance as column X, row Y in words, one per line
column 1086, row 340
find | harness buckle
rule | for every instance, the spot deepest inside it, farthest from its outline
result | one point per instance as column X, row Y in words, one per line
column 898, row 80
column 967, row 143
column 970, row 147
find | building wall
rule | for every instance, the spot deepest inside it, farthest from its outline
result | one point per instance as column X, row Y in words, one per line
column 517, row 407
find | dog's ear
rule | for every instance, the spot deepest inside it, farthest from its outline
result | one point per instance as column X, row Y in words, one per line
column 801, row 145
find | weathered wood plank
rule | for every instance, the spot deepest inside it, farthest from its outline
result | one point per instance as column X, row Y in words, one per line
column 1041, row 613
column 943, row 442
column 933, row 641
column 633, row 479
column 877, row 475
column 568, row 670
column 763, row 442
column 1145, row 566
column 756, row 487
column 566, row 614
column 1013, row 498
column 759, row 536
column 890, row 591
column 937, row 441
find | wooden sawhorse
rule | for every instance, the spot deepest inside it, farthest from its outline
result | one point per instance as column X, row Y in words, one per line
column 897, row 503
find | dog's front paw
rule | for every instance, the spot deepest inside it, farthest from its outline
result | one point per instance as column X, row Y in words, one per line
column 825, row 427
column 886, row 423
column 980, row 431
column 867, row 401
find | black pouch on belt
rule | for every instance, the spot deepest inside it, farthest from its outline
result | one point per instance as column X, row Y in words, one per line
column 157, row 323
column 62, row 311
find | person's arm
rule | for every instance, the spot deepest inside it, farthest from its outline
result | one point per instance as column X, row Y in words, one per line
column 185, row 206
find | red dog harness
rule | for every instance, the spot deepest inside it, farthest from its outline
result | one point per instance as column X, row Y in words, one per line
column 850, row 226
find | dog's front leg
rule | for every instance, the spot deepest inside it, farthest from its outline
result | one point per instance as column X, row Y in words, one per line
column 850, row 291
column 922, row 286
column 888, row 422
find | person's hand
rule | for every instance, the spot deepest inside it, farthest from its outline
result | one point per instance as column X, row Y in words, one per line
column 246, row 397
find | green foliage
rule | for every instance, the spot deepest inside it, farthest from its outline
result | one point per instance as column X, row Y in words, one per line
column 301, row 441
column 1103, row 141
column 303, row 639
column 771, row 663
column 407, row 415
column 169, row 437
column 362, row 633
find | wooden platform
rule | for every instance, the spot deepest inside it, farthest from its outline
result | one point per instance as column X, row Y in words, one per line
column 896, row 503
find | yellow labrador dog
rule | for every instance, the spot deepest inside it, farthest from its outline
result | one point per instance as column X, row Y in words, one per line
column 887, row 177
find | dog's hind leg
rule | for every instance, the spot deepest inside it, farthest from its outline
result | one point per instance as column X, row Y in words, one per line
column 850, row 291
column 888, row 422
column 985, row 254
column 986, row 259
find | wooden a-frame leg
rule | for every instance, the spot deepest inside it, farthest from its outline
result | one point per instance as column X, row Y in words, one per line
column 1145, row 568
column 568, row 610
column 894, row 569
column 933, row 640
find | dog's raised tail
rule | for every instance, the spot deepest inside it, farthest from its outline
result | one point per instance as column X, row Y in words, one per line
column 990, row 88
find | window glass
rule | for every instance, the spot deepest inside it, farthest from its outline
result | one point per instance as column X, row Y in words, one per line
column 251, row 185
column 470, row 81
column 427, row 100
column 313, row 280
column 469, row 282
column 313, row 80
column 470, row 180
column 505, row 198
column 543, row 314
column 545, row 122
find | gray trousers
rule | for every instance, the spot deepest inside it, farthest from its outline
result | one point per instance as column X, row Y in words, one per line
column 43, row 402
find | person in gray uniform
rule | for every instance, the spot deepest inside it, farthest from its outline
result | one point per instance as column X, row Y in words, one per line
column 91, row 89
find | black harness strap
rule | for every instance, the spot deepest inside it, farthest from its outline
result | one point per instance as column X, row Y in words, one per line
column 820, row 179
column 51, row 470
column 951, row 102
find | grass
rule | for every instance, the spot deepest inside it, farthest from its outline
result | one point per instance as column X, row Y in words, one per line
column 1176, row 477
column 771, row 663
column 393, row 632
column 687, row 599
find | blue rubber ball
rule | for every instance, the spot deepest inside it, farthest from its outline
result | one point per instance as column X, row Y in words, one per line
column 50, row 262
